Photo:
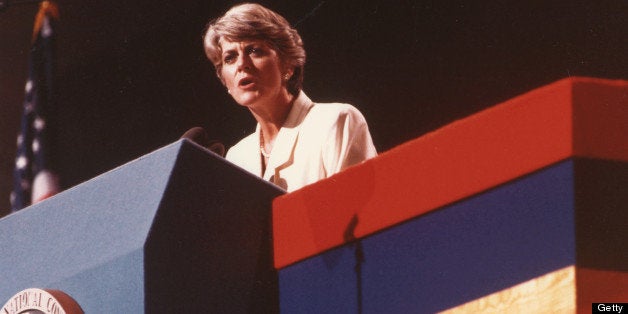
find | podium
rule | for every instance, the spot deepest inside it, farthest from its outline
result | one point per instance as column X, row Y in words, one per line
column 178, row 230
column 520, row 208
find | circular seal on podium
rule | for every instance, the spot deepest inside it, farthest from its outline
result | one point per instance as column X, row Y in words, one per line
column 41, row 301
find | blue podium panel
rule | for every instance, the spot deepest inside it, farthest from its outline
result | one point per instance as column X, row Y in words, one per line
column 477, row 246
column 178, row 230
column 210, row 245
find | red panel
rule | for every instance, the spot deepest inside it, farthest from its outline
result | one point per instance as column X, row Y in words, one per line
column 601, row 119
column 600, row 286
column 466, row 157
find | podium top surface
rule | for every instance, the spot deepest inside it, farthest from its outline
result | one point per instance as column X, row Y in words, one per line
column 87, row 225
column 574, row 117
column 113, row 216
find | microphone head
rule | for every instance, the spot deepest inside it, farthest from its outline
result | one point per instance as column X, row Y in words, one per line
column 216, row 147
column 199, row 136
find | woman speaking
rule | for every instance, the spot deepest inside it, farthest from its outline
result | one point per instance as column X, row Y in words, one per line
column 259, row 58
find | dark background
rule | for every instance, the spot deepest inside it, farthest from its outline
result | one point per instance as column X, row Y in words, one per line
column 132, row 75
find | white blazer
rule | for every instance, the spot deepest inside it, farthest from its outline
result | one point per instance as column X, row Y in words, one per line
column 315, row 142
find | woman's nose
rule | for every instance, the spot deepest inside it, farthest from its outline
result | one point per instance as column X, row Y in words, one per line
column 243, row 62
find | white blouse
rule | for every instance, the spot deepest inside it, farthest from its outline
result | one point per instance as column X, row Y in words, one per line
column 315, row 142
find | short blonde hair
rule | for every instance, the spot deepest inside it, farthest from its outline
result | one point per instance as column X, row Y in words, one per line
column 251, row 21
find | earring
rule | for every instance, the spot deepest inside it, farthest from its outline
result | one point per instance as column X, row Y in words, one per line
column 229, row 91
column 286, row 77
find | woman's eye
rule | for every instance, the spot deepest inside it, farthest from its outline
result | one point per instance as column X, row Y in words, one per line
column 229, row 58
column 255, row 51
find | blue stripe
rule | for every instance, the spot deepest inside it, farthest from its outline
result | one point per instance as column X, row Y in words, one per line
column 475, row 247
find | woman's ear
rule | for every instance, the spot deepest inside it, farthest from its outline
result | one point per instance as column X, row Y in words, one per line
column 287, row 74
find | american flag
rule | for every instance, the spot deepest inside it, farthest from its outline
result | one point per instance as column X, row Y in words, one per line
column 34, row 179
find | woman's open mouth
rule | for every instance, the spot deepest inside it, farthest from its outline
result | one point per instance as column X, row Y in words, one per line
column 246, row 83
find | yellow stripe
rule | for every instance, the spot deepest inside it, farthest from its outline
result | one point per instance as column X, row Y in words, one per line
column 554, row 292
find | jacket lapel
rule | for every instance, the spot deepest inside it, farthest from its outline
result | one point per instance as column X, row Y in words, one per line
column 283, row 150
column 254, row 150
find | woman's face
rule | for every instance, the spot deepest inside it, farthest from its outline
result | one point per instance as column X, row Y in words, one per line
column 252, row 72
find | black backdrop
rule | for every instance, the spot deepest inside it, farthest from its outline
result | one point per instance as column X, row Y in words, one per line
column 133, row 76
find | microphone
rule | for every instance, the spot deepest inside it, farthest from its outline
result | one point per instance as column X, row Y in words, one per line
column 198, row 135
